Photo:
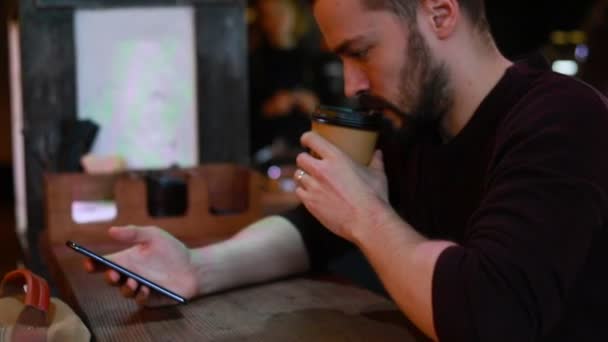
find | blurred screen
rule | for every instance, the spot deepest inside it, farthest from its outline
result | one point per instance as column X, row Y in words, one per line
column 137, row 80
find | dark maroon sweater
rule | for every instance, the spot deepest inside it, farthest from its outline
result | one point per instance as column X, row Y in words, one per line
column 522, row 189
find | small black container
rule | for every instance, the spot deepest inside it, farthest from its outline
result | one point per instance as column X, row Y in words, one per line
column 167, row 195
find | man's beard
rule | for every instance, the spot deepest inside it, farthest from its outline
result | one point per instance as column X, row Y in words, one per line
column 424, row 93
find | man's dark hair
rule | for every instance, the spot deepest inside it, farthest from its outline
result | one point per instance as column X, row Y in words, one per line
column 475, row 9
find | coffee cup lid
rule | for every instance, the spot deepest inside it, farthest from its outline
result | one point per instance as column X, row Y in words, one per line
column 347, row 117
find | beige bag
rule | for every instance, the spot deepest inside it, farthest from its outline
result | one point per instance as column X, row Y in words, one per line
column 28, row 314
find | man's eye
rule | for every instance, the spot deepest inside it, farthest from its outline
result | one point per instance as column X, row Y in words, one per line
column 359, row 54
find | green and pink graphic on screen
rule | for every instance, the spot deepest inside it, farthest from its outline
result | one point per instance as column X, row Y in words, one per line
column 137, row 80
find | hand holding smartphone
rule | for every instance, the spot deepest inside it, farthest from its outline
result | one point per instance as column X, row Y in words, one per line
column 125, row 272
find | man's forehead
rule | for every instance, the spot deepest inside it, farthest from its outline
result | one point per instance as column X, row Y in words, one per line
column 349, row 20
column 342, row 19
column 338, row 8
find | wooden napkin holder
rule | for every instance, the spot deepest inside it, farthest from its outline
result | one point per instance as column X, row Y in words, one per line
column 222, row 199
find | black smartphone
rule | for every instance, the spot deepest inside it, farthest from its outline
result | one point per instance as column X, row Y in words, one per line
column 98, row 258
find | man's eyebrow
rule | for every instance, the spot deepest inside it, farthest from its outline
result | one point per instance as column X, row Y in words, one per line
column 346, row 44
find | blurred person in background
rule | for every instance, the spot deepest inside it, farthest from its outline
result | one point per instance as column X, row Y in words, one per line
column 281, row 79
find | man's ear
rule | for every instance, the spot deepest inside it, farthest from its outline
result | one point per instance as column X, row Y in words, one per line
column 441, row 16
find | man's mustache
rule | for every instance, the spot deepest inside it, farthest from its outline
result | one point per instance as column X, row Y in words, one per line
column 370, row 102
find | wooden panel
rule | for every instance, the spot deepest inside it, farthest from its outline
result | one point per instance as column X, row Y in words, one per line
column 234, row 192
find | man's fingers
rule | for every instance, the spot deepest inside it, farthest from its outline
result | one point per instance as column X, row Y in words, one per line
column 132, row 234
column 306, row 163
column 142, row 295
column 305, row 180
column 156, row 300
column 129, row 289
column 145, row 297
column 132, row 284
column 112, row 277
column 318, row 144
column 89, row 265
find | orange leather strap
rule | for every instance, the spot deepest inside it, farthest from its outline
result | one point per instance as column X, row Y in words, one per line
column 37, row 293
column 33, row 321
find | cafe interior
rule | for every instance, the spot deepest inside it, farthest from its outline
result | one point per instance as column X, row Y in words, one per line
column 186, row 115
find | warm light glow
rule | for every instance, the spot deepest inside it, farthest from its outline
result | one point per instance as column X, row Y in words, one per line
column 566, row 67
column 568, row 37
column 558, row 37
column 577, row 37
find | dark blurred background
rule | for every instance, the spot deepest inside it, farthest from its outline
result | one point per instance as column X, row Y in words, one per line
column 521, row 26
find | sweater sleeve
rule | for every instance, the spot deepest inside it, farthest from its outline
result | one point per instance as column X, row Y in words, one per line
column 544, row 202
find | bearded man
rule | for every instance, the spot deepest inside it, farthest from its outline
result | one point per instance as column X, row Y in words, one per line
column 485, row 220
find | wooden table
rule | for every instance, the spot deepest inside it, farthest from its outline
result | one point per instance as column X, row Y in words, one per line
column 299, row 309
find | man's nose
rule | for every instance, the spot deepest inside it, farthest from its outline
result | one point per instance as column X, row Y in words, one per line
column 355, row 80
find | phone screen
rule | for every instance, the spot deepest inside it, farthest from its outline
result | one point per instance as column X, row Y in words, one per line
column 99, row 259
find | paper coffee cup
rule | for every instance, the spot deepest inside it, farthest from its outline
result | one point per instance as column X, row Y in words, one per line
column 354, row 132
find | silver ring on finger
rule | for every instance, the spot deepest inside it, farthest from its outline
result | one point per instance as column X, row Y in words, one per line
column 299, row 175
